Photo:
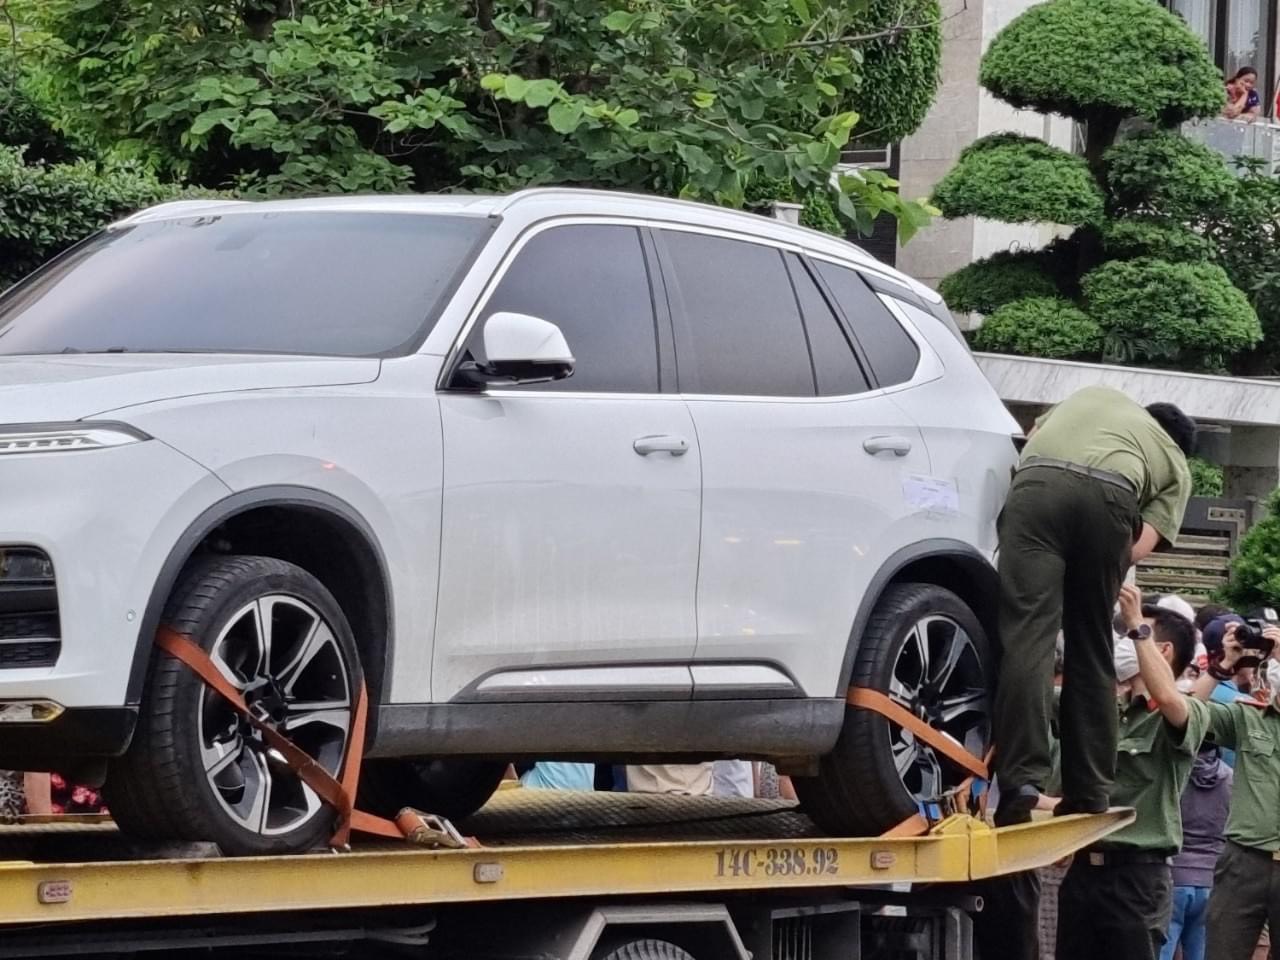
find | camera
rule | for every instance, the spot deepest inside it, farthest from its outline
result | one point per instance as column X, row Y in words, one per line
column 1249, row 635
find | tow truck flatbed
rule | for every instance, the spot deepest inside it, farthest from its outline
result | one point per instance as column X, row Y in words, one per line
column 543, row 846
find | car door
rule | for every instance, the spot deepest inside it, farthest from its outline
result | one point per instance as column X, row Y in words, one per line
column 804, row 463
column 571, row 509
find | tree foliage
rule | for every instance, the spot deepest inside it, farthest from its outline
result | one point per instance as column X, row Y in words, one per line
column 989, row 284
column 674, row 96
column 45, row 208
column 900, row 71
column 1019, row 180
column 1207, row 478
column 1140, row 264
column 1041, row 327
column 1127, row 238
column 1163, row 174
column 1088, row 58
column 1255, row 572
column 1187, row 313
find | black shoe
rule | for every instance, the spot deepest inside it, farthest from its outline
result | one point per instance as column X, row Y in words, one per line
column 1016, row 806
column 1067, row 807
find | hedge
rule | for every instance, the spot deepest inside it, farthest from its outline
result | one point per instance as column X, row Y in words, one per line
column 987, row 285
column 1158, row 311
column 1020, row 179
column 1131, row 237
column 1255, row 573
column 1041, row 327
column 1082, row 58
column 1166, row 174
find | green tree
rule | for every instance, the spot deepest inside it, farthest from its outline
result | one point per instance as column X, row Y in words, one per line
column 1255, row 572
column 1144, row 206
column 675, row 96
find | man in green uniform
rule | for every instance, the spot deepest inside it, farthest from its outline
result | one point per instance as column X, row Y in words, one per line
column 1102, row 483
column 1117, row 897
column 1246, row 883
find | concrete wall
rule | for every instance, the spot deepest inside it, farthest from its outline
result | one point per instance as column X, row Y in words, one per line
column 962, row 113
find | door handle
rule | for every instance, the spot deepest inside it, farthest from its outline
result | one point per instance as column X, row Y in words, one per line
column 676, row 446
column 898, row 446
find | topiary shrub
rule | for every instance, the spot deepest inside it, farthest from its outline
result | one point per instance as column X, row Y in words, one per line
column 900, row 72
column 1206, row 478
column 1041, row 327
column 817, row 212
column 1020, row 180
column 1166, row 174
column 1131, row 237
column 1083, row 58
column 989, row 284
column 1152, row 310
column 1255, row 572
column 46, row 208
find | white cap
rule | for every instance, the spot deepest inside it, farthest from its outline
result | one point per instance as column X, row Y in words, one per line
column 1126, row 659
column 1178, row 605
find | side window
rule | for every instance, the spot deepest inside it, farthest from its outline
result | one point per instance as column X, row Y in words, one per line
column 591, row 282
column 835, row 364
column 893, row 355
column 740, row 333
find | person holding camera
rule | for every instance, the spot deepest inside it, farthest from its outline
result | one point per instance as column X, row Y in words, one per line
column 1117, row 897
column 1246, row 881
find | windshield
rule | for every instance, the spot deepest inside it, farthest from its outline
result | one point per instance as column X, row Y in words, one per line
column 328, row 284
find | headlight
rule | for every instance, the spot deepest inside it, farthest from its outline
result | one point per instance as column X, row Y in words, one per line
column 58, row 437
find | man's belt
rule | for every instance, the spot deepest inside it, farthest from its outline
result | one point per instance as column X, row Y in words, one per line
column 1104, row 476
column 1118, row 856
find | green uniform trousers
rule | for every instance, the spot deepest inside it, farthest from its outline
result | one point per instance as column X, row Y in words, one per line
column 1119, row 911
column 1065, row 543
column 1246, row 894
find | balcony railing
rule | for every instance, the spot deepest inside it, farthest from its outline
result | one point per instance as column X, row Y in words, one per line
column 1234, row 138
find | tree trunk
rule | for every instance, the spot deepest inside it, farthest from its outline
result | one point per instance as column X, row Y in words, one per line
column 1100, row 133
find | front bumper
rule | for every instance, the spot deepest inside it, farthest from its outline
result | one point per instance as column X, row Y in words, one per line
column 81, row 733
column 107, row 519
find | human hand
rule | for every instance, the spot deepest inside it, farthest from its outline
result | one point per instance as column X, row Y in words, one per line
column 1232, row 649
column 1131, row 606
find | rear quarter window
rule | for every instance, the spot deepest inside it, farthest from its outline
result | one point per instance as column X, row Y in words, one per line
column 889, row 349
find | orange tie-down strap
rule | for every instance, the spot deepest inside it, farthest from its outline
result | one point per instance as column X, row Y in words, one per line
column 877, row 702
column 339, row 794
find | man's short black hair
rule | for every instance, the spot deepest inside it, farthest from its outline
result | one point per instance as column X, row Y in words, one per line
column 1173, row 628
column 1210, row 612
column 1176, row 424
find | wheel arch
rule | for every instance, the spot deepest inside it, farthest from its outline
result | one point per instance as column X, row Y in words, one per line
column 333, row 542
column 951, row 564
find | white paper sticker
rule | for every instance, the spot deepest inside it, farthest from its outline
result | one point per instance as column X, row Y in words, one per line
column 931, row 493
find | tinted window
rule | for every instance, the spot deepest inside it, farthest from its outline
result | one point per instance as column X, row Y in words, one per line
column 591, row 282
column 338, row 284
column 834, row 363
column 892, row 353
column 741, row 334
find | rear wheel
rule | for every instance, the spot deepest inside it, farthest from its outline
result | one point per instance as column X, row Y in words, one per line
column 196, row 770
column 928, row 652
column 454, row 789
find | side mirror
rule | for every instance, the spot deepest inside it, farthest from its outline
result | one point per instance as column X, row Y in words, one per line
column 519, row 349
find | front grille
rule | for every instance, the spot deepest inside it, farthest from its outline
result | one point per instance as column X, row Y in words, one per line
column 30, row 631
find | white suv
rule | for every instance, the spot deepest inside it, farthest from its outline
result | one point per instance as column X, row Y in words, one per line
column 563, row 474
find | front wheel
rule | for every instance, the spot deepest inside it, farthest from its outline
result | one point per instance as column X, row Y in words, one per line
column 929, row 653
column 196, row 770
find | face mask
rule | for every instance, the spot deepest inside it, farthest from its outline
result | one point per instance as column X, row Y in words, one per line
column 1273, row 680
column 1186, row 685
column 1126, row 660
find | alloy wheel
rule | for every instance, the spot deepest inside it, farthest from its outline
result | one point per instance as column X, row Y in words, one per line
column 939, row 676
column 284, row 659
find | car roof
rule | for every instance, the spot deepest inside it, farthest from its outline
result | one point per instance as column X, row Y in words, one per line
column 540, row 202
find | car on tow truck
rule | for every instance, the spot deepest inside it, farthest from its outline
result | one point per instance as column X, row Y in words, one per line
column 562, row 474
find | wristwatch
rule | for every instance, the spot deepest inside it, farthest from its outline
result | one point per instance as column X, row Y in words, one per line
column 1140, row 632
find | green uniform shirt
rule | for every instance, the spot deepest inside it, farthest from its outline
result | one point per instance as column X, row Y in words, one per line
column 1254, row 733
column 1102, row 428
column 1153, row 765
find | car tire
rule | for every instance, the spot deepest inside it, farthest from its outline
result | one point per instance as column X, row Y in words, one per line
column 195, row 771
column 642, row 950
column 877, row 775
column 453, row 789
